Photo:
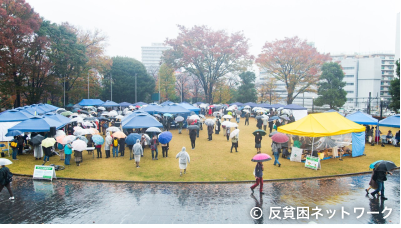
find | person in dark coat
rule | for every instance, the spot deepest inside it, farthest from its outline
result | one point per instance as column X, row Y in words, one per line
column 4, row 181
column 259, row 123
column 20, row 144
column 380, row 177
column 122, row 146
column 192, row 136
column 271, row 126
column 48, row 152
column 210, row 132
column 218, row 124
column 259, row 178
column 258, row 142
column 247, row 118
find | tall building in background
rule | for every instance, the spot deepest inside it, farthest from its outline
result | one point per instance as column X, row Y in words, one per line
column 151, row 57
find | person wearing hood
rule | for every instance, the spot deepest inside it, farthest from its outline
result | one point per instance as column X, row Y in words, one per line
column 183, row 161
column 121, row 142
column 107, row 144
column 138, row 152
column 5, row 180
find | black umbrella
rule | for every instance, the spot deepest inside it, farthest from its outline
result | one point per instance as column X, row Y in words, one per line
column 238, row 112
column 271, row 134
column 157, row 115
column 102, row 118
column 261, row 132
column 85, row 112
column 37, row 139
column 90, row 118
column 196, row 127
column 385, row 166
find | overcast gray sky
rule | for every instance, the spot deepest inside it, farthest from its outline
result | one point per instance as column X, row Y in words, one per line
column 335, row 26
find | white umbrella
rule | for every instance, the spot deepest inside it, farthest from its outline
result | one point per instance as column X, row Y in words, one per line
column 5, row 161
column 247, row 106
column 202, row 116
column 209, row 122
column 74, row 115
column 113, row 129
column 101, row 108
column 265, row 117
column 231, row 124
column 113, row 113
column 68, row 139
column 87, row 124
column 194, row 117
column 227, row 117
column 82, row 116
column 225, row 123
column 59, row 133
column 77, row 119
column 234, row 133
column 119, row 117
column 203, row 105
column 77, row 128
column 217, row 113
column 82, row 132
column 247, row 111
column 105, row 114
column 154, row 129
column 78, row 145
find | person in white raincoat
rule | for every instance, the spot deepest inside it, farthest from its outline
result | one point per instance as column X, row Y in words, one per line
column 107, row 145
column 183, row 161
column 138, row 152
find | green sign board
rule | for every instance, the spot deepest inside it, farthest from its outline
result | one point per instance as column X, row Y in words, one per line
column 44, row 172
column 155, row 97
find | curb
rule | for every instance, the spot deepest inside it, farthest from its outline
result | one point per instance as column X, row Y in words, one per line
column 205, row 182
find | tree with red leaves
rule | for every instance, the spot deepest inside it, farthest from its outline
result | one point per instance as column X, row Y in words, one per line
column 208, row 54
column 293, row 62
column 18, row 22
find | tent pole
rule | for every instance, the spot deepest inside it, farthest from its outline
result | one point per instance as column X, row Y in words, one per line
column 313, row 141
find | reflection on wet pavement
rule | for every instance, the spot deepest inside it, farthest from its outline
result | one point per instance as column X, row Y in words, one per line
column 65, row 201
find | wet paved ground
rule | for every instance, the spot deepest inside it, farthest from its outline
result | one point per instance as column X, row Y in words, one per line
column 66, row 201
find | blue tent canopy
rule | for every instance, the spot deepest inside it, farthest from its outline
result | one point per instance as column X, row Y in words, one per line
column 57, row 117
column 142, row 121
column 45, row 108
column 237, row 103
column 37, row 109
column 167, row 103
column 110, row 104
column 52, row 107
column 391, row 121
column 362, row 118
column 173, row 109
column 277, row 105
column 37, row 124
column 132, row 115
column 13, row 116
column 294, row 107
column 89, row 102
column 151, row 108
column 265, row 105
column 125, row 104
column 190, row 107
column 251, row 104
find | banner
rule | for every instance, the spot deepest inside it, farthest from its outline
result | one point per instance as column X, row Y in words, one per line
column 44, row 172
column 312, row 162
column 296, row 154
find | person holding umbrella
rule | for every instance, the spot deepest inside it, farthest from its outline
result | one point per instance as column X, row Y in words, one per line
column 247, row 118
column 183, row 161
column 258, row 142
column 192, row 136
column 276, row 153
column 258, row 172
column 153, row 147
column 6, row 177
column 14, row 146
column 228, row 131
column 107, row 145
column 234, row 141
column 138, row 152
column 210, row 131
column 67, row 152
column 217, row 126
column 381, row 170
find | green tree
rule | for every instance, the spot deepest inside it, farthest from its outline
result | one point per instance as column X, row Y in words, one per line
column 123, row 73
column 331, row 86
column 167, row 83
column 395, row 89
column 247, row 91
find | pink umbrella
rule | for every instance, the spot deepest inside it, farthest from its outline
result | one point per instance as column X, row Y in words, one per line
column 261, row 158
column 280, row 138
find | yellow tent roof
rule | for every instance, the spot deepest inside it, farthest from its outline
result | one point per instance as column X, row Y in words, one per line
column 321, row 124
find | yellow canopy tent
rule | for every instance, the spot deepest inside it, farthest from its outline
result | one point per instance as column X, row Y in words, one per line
column 320, row 125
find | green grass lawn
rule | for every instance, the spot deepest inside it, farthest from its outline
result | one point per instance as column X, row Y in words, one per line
column 210, row 161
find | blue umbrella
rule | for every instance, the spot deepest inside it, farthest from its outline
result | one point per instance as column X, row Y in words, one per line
column 83, row 138
column 98, row 140
column 14, row 133
column 131, row 138
column 273, row 118
column 371, row 166
column 167, row 114
column 165, row 137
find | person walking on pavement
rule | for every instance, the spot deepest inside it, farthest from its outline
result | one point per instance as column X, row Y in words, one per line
column 197, row 130
column 210, row 132
column 276, row 153
column 228, row 132
column 218, row 126
column 180, row 127
column 138, row 152
column 372, row 184
column 192, row 136
column 270, row 126
column 183, row 161
column 67, row 152
column 259, row 178
column 234, row 141
column 238, row 117
column 107, row 144
column 380, row 177
column 115, row 147
column 153, row 147
column 258, row 142
column 265, row 120
column 5, row 180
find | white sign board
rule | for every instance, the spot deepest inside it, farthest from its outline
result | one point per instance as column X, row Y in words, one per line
column 312, row 162
column 296, row 154
column 44, row 172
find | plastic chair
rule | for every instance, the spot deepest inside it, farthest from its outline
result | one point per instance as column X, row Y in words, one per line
column 4, row 150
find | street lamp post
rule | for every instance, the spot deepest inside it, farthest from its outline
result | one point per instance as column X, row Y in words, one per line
column 381, row 108
column 88, row 84
column 135, row 89
column 111, row 87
